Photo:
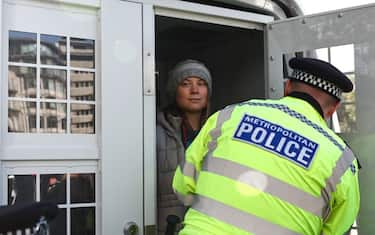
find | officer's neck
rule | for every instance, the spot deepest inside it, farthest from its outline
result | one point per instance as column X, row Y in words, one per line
column 309, row 99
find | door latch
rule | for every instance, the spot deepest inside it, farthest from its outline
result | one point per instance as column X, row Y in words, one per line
column 131, row 228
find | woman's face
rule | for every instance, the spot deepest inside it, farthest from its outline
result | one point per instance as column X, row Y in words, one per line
column 192, row 95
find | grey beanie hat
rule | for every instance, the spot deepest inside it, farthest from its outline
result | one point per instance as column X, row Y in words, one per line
column 185, row 69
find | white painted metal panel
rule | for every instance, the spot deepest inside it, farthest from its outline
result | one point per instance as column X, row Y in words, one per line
column 315, row 31
column 207, row 10
column 209, row 14
column 149, row 128
column 122, row 115
column 1, row 94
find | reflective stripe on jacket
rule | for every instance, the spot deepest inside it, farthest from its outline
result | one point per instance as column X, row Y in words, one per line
column 268, row 167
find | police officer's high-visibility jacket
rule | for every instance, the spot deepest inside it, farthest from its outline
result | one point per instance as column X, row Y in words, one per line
column 268, row 167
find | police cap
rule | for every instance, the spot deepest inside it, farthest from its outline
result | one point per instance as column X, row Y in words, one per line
column 320, row 74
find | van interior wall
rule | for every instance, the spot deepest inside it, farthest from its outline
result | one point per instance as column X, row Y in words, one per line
column 235, row 57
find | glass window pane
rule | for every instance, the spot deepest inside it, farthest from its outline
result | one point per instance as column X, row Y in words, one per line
column 21, row 81
column 322, row 54
column 82, row 188
column 347, row 118
column 82, row 85
column 57, row 226
column 22, row 47
column 83, row 221
column 350, row 97
column 52, row 117
column 53, row 83
column 52, row 49
column 21, row 116
column 53, row 188
column 82, row 53
column 82, row 118
column 343, row 57
column 347, row 113
column 21, row 189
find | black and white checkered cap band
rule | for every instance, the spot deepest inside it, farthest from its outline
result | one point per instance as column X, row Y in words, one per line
column 325, row 85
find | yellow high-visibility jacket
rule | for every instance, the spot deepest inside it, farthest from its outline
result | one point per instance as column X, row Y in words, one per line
column 268, row 167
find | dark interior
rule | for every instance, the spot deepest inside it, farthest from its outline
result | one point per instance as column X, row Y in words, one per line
column 235, row 57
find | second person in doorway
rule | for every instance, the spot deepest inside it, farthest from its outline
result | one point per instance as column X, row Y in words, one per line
column 189, row 88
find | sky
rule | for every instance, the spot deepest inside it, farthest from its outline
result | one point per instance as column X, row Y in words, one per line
column 316, row 6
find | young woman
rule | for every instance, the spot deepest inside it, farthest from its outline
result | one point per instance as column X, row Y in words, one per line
column 188, row 91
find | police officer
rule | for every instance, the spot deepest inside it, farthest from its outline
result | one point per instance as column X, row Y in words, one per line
column 273, row 166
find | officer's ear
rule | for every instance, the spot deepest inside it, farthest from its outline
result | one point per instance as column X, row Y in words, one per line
column 332, row 108
column 287, row 87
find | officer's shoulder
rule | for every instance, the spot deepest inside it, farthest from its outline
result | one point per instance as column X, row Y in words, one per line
column 354, row 154
column 244, row 103
column 230, row 106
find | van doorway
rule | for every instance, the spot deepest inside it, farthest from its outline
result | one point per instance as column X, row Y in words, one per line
column 234, row 56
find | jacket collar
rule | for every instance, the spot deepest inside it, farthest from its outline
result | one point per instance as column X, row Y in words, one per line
column 309, row 99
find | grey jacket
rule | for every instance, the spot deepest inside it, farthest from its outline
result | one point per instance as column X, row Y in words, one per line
column 170, row 153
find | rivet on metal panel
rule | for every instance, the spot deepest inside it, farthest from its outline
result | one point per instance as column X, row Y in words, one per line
column 303, row 21
column 340, row 15
column 272, row 58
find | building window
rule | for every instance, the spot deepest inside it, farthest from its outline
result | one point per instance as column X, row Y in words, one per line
column 51, row 84
column 73, row 192
column 342, row 57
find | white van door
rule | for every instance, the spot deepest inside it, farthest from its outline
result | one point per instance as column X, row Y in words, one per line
column 50, row 110
column 71, row 124
column 346, row 39
column 122, row 117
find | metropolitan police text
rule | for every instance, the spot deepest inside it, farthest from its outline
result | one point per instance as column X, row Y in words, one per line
column 277, row 139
